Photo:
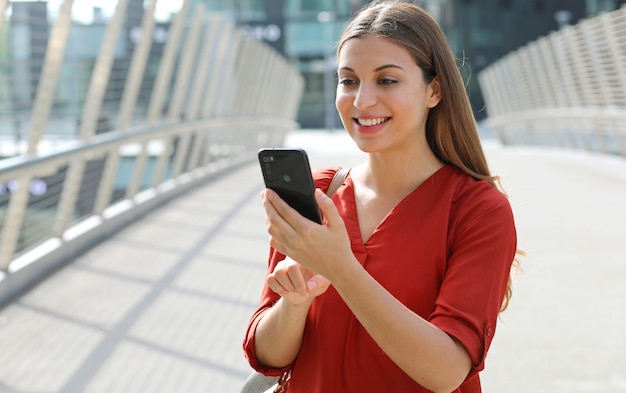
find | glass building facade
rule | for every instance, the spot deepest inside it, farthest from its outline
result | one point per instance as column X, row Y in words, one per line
column 304, row 31
column 479, row 31
column 482, row 31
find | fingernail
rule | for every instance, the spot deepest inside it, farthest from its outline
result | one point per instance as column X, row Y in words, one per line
column 311, row 285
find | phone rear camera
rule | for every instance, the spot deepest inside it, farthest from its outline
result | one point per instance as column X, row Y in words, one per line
column 268, row 159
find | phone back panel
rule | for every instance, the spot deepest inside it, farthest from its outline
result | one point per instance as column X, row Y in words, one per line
column 287, row 171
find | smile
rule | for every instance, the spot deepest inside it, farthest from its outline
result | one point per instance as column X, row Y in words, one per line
column 372, row 122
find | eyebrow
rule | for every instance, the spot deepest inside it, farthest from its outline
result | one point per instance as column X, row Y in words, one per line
column 382, row 67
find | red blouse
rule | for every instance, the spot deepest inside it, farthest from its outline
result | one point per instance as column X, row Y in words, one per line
column 444, row 251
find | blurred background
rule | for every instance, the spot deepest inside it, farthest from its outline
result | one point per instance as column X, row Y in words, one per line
column 128, row 138
column 304, row 31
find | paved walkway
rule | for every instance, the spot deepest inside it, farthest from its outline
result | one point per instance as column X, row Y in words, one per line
column 162, row 306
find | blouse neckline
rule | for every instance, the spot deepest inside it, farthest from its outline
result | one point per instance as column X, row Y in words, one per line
column 354, row 227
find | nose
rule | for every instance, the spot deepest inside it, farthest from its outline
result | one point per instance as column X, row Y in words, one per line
column 365, row 96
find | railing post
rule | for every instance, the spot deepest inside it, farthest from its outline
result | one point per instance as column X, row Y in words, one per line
column 169, row 58
column 212, row 38
column 221, row 69
column 200, row 88
column 41, row 112
column 228, row 93
column 157, row 99
column 127, row 105
column 50, row 75
column 166, row 67
column 188, row 60
column 13, row 220
column 101, row 72
column 91, row 112
column 615, row 38
column 137, row 68
column 3, row 8
column 505, row 96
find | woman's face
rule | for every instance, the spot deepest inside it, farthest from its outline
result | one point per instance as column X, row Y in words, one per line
column 382, row 98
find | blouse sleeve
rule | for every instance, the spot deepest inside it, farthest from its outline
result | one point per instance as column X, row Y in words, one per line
column 482, row 245
column 322, row 178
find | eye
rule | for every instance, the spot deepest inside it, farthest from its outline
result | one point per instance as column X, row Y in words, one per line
column 387, row 81
column 347, row 81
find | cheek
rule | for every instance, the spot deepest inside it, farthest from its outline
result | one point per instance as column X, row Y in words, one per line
column 343, row 103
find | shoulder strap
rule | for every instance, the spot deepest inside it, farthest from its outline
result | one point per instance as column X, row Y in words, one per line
column 339, row 177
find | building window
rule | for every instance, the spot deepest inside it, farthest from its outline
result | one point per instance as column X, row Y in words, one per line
column 506, row 4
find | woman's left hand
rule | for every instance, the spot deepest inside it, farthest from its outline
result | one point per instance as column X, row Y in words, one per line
column 317, row 247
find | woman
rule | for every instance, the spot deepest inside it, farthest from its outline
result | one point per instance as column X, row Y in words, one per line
column 400, row 289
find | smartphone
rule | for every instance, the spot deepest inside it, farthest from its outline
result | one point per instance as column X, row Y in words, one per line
column 288, row 173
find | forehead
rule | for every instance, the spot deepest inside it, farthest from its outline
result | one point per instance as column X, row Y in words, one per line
column 371, row 50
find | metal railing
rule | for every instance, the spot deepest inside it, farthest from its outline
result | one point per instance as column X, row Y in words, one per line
column 217, row 96
column 565, row 89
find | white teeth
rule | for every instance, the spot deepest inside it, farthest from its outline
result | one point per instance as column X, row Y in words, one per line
column 371, row 122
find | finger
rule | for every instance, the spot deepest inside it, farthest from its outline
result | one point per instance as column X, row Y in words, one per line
column 328, row 208
column 297, row 279
column 276, row 209
column 278, row 229
column 288, row 213
column 317, row 284
column 283, row 280
column 289, row 275
column 297, row 275
column 291, row 297
column 269, row 199
column 275, row 286
column 279, row 205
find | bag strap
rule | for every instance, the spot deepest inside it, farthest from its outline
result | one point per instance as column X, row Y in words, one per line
column 338, row 179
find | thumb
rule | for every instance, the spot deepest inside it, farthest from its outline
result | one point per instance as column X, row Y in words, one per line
column 327, row 207
column 317, row 284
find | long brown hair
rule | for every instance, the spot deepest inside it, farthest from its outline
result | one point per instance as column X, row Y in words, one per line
column 451, row 129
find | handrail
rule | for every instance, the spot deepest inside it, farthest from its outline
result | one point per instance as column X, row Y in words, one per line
column 54, row 245
column 56, row 203
column 566, row 89
column 99, row 144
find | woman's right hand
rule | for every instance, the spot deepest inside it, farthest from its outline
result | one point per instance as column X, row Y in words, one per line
column 295, row 283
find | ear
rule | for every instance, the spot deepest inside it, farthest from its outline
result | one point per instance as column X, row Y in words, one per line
column 434, row 93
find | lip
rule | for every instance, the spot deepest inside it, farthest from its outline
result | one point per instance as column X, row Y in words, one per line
column 370, row 129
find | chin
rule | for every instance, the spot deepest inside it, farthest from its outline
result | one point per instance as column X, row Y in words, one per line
column 368, row 146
